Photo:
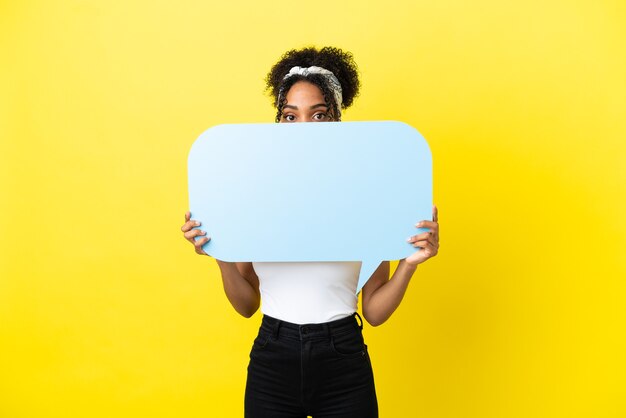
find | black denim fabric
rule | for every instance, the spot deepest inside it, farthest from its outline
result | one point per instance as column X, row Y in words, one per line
column 319, row 370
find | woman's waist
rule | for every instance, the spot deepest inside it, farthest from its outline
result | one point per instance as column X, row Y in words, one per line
column 278, row 327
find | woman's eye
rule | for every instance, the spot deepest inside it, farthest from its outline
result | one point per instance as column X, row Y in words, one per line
column 319, row 116
column 290, row 118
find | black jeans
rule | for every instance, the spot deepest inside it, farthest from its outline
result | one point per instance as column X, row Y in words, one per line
column 322, row 370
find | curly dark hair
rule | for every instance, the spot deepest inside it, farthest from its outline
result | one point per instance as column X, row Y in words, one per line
column 341, row 63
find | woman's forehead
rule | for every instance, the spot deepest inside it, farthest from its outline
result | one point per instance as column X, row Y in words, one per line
column 303, row 91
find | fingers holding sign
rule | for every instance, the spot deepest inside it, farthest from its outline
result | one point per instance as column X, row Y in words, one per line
column 192, row 234
column 427, row 242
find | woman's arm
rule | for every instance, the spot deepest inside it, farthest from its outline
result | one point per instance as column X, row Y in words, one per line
column 241, row 286
column 240, row 282
column 382, row 295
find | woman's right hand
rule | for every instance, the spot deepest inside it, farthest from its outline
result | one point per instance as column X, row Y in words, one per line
column 190, row 233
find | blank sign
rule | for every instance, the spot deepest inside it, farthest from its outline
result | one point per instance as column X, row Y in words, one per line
column 332, row 191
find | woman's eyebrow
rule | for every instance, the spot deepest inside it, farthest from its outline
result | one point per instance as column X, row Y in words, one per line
column 288, row 106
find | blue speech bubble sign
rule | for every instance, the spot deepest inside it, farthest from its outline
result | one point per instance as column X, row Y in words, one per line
column 333, row 191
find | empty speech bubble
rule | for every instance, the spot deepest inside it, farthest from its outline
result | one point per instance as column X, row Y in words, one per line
column 333, row 191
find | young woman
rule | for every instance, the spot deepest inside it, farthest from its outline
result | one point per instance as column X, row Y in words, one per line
column 309, row 357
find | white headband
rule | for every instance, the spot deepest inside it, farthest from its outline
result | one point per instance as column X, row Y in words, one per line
column 333, row 82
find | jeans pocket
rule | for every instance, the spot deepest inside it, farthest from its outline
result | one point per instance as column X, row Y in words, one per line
column 348, row 344
column 261, row 341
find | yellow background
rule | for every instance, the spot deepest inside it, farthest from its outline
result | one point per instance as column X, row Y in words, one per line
column 105, row 311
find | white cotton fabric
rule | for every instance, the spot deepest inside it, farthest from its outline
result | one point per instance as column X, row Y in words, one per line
column 306, row 292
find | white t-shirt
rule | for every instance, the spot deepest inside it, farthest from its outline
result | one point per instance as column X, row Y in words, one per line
column 306, row 292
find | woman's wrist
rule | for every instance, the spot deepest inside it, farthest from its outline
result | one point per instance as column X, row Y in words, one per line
column 408, row 265
column 404, row 272
column 225, row 264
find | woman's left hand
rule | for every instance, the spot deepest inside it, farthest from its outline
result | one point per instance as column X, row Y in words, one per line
column 428, row 242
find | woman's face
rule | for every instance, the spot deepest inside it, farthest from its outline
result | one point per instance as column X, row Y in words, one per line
column 305, row 103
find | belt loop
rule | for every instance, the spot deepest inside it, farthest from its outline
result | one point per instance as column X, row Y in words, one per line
column 327, row 329
column 360, row 321
column 276, row 328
